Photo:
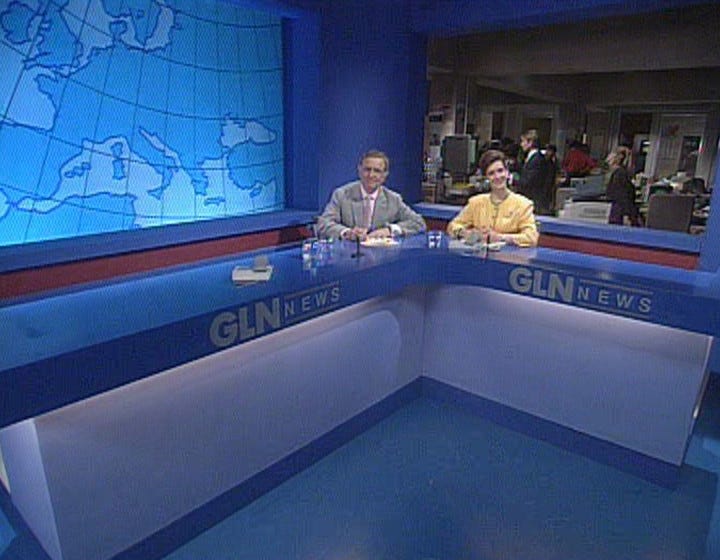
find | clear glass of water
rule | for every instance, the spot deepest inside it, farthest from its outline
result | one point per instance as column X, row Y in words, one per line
column 309, row 245
column 323, row 250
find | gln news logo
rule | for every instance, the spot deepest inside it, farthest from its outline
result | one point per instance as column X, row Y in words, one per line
column 265, row 316
column 583, row 292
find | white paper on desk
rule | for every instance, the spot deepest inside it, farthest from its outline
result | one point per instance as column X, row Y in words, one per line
column 494, row 245
column 457, row 245
column 461, row 245
column 379, row 242
column 242, row 274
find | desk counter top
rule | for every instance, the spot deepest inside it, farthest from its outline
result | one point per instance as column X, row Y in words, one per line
column 52, row 348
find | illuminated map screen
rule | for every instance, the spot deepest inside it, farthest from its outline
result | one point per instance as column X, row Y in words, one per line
column 124, row 114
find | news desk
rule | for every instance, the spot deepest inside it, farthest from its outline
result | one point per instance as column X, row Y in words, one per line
column 127, row 405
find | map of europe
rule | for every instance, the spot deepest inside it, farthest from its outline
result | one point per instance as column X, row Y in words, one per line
column 124, row 114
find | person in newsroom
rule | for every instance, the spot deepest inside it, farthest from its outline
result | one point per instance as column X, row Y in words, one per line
column 577, row 161
column 500, row 215
column 532, row 179
column 367, row 208
column 620, row 189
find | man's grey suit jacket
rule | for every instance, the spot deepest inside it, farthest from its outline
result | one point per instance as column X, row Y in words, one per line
column 345, row 210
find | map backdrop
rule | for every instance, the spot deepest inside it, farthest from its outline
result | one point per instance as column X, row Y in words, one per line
column 125, row 114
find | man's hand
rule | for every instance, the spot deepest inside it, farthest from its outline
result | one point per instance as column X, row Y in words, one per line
column 382, row 232
column 356, row 233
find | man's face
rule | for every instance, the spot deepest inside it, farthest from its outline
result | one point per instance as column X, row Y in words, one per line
column 372, row 173
column 525, row 144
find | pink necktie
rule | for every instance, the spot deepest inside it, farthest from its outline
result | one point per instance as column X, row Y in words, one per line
column 367, row 212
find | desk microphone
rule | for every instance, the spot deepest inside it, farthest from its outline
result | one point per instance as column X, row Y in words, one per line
column 357, row 254
column 260, row 263
column 313, row 226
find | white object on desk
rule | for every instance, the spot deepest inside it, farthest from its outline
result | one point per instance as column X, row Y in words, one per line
column 495, row 245
column 463, row 245
column 243, row 275
column 379, row 242
column 586, row 211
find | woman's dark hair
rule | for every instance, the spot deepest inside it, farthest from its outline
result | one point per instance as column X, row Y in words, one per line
column 490, row 157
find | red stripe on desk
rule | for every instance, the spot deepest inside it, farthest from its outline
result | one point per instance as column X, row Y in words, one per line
column 647, row 255
column 37, row 280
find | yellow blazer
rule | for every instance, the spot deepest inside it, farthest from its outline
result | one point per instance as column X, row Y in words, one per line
column 513, row 216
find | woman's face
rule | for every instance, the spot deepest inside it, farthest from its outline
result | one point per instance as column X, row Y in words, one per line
column 498, row 175
column 617, row 160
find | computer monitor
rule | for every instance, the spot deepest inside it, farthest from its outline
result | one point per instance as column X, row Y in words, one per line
column 459, row 154
column 592, row 186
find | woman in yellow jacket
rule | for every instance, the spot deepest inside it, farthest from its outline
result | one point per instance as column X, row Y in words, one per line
column 500, row 215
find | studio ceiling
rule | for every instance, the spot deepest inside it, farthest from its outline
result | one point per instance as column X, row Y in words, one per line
column 670, row 57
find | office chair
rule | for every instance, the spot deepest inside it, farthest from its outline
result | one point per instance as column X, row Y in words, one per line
column 671, row 212
column 696, row 185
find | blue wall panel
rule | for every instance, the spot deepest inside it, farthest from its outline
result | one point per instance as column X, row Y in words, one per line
column 373, row 93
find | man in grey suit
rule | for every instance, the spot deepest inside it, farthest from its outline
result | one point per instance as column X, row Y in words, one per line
column 367, row 208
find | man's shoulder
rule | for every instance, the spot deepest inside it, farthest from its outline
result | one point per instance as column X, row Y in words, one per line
column 348, row 189
column 536, row 160
column 389, row 193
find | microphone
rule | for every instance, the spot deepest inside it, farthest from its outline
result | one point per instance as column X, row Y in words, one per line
column 357, row 254
column 313, row 226
column 260, row 263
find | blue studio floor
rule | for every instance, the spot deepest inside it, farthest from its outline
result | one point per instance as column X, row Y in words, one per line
column 435, row 481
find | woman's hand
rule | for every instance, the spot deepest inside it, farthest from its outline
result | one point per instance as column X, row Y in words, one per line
column 464, row 233
column 473, row 233
column 495, row 237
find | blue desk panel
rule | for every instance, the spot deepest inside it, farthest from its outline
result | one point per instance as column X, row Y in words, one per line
column 53, row 347
column 249, row 376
